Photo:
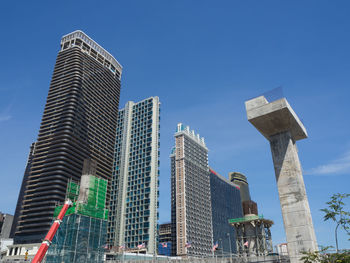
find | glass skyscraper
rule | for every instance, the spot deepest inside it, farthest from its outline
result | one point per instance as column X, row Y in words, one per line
column 134, row 197
column 225, row 204
column 79, row 122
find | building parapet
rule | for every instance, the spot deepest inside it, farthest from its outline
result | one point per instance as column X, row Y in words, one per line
column 93, row 49
column 186, row 130
column 224, row 179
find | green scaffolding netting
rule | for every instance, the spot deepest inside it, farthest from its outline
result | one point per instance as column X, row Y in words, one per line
column 96, row 202
column 97, row 192
column 70, row 210
column 88, row 210
column 72, row 191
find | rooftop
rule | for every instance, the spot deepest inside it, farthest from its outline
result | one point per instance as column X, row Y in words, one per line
column 88, row 45
column 181, row 129
column 224, row 178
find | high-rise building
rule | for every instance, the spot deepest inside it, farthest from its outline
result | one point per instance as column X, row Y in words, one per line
column 191, row 204
column 81, row 236
column 249, row 206
column 134, row 197
column 79, row 122
column 241, row 180
column 225, row 205
column 22, row 189
column 173, row 202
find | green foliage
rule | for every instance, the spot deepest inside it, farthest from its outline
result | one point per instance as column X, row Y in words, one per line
column 323, row 257
column 335, row 211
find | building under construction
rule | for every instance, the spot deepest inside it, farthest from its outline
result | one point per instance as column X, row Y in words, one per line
column 82, row 234
column 253, row 235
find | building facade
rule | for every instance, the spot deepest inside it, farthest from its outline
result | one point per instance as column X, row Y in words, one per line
column 79, row 122
column 134, row 197
column 6, row 221
column 173, row 202
column 249, row 206
column 165, row 233
column 22, row 189
column 164, row 237
column 191, row 202
column 82, row 234
column 225, row 205
column 20, row 252
column 241, row 180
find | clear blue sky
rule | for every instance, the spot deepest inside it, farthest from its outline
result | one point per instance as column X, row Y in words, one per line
column 203, row 59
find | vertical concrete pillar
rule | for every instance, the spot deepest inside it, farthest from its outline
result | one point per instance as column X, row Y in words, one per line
column 281, row 126
column 291, row 189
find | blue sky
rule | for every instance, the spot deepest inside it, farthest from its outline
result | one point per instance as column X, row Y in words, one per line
column 203, row 59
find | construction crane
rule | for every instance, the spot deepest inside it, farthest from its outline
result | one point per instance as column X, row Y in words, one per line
column 48, row 239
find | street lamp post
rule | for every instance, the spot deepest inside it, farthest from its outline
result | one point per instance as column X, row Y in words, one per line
column 222, row 248
column 229, row 241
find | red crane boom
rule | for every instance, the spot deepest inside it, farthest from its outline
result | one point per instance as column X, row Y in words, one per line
column 47, row 240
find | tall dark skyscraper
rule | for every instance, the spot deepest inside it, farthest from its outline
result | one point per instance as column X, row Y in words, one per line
column 79, row 122
column 21, row 191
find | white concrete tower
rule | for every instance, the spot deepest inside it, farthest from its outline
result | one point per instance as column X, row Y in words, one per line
column 133, row 215
column 281, row 126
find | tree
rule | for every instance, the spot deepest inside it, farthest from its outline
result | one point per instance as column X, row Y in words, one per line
column 323, row 257
column 335, row 211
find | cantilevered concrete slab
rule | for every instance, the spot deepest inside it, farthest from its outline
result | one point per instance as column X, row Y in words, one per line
column 278, row 123
column 275, row 117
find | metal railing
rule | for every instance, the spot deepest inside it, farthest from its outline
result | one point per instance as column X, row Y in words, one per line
column 216, row 259
column 246, row 218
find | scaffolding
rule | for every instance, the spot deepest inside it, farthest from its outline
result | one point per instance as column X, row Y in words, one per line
column 82, row 235
column 79, row 239
column 253, row 235
column 96, row 199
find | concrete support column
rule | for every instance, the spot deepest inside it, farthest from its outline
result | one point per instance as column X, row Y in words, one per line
column 279, row 124
column 291, row 189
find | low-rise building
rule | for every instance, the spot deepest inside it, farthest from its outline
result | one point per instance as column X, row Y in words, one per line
column 5, row 225
column 6, row 221
column 164, row 241
column 21, row 252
